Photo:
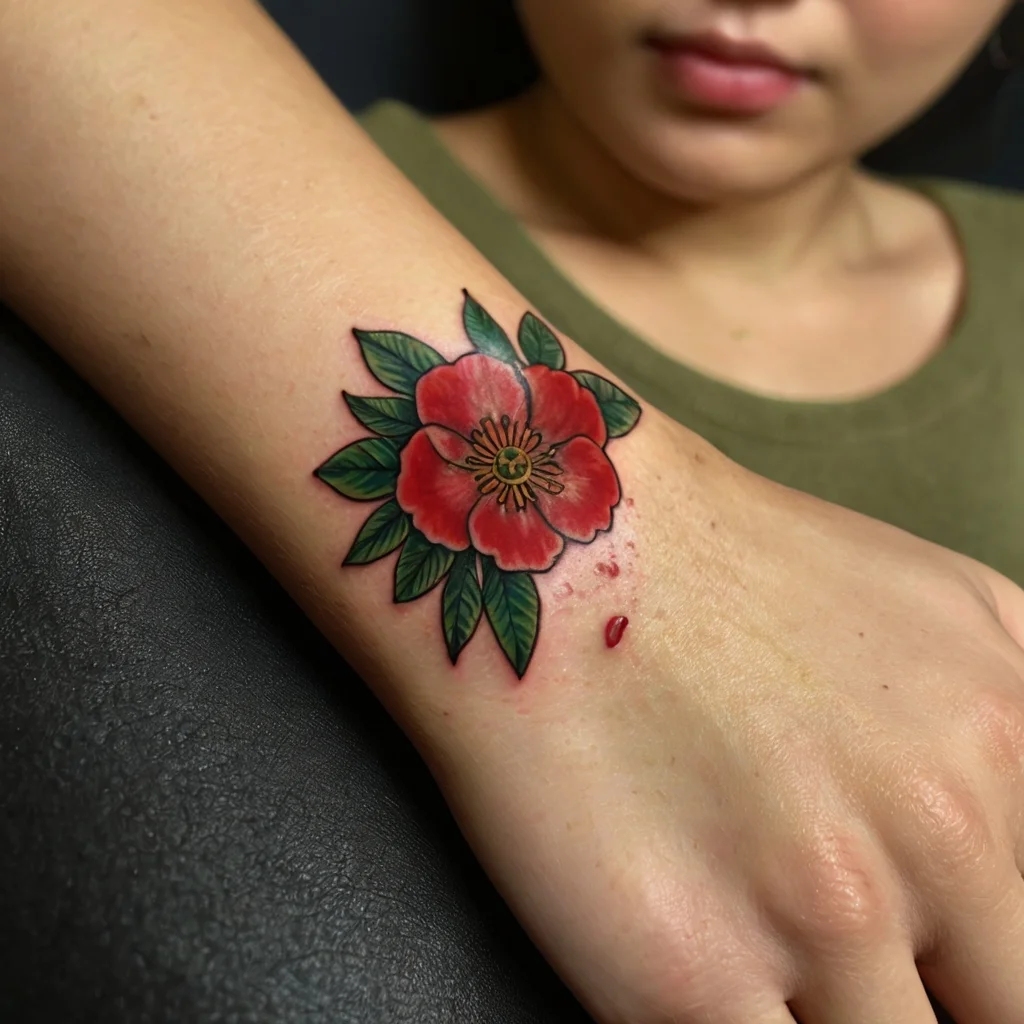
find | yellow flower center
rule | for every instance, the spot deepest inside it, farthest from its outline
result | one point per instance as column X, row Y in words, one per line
column 509, row 460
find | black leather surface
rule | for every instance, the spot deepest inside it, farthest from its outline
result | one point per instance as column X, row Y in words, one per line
column 206, row 817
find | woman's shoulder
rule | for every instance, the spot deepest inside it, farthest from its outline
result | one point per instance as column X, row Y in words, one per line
column 990, row 224
column 999, row 212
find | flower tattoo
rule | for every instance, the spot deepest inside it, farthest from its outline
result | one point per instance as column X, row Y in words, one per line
column 490, row 464
column 512, row 462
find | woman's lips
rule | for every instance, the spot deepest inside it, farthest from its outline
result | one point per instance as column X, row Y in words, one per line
column 720, row 74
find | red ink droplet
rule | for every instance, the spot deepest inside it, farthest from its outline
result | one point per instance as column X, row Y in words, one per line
column 614, row 630
column 607, row 569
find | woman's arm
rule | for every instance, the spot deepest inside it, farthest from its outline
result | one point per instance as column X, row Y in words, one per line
column 198, row 225
column 731, row 809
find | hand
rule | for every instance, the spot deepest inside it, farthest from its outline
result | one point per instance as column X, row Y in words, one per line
column 798, row 781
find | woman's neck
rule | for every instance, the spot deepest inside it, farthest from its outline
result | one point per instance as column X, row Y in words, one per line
column 559, row 177
column 833, row 288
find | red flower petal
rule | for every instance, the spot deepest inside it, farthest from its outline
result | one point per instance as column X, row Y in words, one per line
column 561, row 408
column 459, row 395
column 450, row 446
column 518, row 540
column 591, row 489
column 437, row 494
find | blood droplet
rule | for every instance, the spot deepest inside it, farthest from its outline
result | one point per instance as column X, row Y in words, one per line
column 614, row 630
column 609, row 569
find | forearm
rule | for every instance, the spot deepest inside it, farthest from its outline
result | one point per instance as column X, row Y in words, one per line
column 194, row 222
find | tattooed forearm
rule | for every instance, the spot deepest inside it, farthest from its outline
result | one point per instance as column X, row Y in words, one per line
column 486, row 467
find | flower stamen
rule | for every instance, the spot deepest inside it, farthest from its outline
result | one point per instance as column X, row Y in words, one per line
column 548, row 486
column 492, row 434
column 506, row 462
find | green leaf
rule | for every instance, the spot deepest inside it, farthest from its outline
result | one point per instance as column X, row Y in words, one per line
column 380, row 535
column 461, row 603
column 397, row 360
column 485, row 332
column 391, row 417
column 421, row 566
column 539, row 343
column 513, row 610
column 364, row 470
column 620, row 412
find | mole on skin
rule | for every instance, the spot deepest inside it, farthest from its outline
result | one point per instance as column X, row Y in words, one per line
column 614, row 629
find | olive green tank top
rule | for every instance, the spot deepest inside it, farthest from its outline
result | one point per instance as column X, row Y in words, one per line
column 940, row 454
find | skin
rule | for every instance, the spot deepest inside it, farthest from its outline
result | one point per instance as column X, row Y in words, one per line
column 875, row 63
column 798, row 275
column 750, row 812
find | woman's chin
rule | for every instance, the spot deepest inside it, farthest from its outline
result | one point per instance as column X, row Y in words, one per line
column 721, row 166
column 708, row 182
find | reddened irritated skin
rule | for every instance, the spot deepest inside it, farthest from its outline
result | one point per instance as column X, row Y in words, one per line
column 797, row 786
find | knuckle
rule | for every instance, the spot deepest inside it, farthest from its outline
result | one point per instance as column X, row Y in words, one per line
column 840, row 897
column 692, row 977
column 693, row 956
column 996, row 721
column 949, row 824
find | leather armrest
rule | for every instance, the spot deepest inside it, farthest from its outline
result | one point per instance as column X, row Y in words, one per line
column 206, row 815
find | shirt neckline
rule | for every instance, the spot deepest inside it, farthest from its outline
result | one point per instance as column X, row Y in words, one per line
column 955, row 373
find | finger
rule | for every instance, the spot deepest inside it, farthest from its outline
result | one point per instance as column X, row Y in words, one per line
column 976, row 969
column 880, row 987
